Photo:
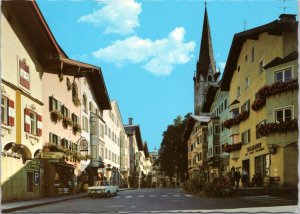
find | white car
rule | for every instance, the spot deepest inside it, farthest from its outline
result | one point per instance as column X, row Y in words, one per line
column 102, row 188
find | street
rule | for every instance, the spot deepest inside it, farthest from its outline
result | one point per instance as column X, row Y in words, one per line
column 165, row 200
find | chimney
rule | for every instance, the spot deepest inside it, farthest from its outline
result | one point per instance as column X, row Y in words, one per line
column 287, row 18
column 130, row 120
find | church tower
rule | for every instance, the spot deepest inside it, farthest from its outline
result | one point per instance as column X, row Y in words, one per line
column 206, row 73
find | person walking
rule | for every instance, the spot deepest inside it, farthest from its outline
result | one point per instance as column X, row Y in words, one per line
column 237, row 176
column 244, row 177
column 232, row 176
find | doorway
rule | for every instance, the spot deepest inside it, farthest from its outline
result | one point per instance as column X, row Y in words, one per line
column 246, row 166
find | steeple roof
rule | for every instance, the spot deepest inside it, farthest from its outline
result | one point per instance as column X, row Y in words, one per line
column 206, row 56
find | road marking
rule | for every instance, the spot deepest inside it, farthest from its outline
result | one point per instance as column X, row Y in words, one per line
column 152, row 196
column 117, row 197
column 141, row 196
column 188, row 196
column 176, row 195
column 128, row 196
column 164, row 196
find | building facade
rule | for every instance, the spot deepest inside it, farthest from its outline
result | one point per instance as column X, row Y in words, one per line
column 262, row 85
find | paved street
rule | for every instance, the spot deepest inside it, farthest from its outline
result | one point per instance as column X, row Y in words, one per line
column 164, row 200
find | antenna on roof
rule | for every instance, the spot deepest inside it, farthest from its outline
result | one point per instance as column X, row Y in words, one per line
column 245, row 25
column 284, row 7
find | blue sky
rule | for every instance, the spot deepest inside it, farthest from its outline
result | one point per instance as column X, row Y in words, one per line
column 148, row 49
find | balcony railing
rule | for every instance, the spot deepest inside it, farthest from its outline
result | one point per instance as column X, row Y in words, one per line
column 232, row 147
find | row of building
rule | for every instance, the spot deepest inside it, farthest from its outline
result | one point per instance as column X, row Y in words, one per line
column 246, row 119
column 60, row 132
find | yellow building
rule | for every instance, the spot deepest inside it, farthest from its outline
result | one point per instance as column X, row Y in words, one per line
column 261, row 77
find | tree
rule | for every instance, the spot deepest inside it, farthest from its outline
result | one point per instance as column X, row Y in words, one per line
column 173, row 152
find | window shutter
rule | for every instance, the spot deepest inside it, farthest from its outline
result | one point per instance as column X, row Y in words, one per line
column 50, row 138
column 27, row 120
column 11, row 113
column 39, row 125
column 59, row 141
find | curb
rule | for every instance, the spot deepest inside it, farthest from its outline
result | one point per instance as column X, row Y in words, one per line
column 39, row 204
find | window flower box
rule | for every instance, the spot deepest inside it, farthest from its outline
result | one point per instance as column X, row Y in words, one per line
column 237, row 120
column 271, row 128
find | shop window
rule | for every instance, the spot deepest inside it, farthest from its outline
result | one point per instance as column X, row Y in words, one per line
column 260, row 166
column 4, row 110
column 284, row 114
column 257, row 133
column 283, row 75
column 30, row 181
column 246, row 137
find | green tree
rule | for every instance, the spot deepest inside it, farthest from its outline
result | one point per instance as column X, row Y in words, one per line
column 173, row 152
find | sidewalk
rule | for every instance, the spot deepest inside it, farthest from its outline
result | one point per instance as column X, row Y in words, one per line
column 19, row 205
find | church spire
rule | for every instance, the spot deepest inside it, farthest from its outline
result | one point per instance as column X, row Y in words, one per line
column 206, row 62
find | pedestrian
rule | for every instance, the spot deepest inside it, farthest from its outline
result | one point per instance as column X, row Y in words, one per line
column 244, row 177
column 237, row 176
column 232, row 178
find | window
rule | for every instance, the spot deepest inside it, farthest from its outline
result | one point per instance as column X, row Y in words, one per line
column 109, row 155
column 260, row 67
column 257, row 133
column 225, row 104
column 33, row 123
column 252, row 54
column 283, row 75
column 84, row 103
column 217, row 129
column 92, row 107
column 4, row 110
column 246, row 106
column 29, row 181
column 65, row 143
column 198, row 140
column 102, row 130
column 75, row 119
column 105, row 129
column 246, row 58
column 246, row 137
column 54, row 139
column 217, row 150
column 235, row 112
column 247, row 82
column 284, row 114
column 105, row 153
column 85, row 123
column 24, row 74
column 260, row 165
column 54, row 105
column 238, row 91
column 65, row 111
column 109, row 133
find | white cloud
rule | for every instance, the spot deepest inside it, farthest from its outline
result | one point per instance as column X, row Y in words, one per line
column 159, row 56
column 116, row 16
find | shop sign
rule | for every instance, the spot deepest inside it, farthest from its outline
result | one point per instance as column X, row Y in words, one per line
column 254, row 147
column 83, row 145
column 53, row 160
column 36, row 178
column 33, row 165
column 52, row 155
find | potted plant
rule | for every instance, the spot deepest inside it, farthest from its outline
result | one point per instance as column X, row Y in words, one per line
column 66, row 122
column 76, row 128
column 55, row 116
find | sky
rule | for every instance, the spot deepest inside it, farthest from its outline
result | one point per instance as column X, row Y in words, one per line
column 148, row 50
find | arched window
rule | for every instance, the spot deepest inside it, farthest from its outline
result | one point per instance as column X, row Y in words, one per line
column 84, row 102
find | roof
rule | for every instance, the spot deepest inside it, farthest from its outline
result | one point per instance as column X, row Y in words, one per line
column 278, row 61
column 286, row 23
column 206, row 56
column 190, row 125
column 209, row 98
column 49, row 54
column 146, row 150
column 135, row 129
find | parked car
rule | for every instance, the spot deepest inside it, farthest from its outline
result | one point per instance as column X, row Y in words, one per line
column 102, row 188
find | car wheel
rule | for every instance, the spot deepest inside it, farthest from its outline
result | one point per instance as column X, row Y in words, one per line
column 108, row 194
